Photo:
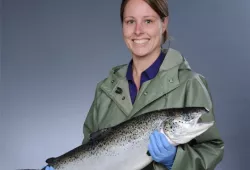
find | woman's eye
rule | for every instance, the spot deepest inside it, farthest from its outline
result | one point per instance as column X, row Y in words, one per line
column 130, row 22
column 148, row 21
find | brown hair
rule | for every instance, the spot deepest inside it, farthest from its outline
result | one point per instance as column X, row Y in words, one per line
column 159, row 6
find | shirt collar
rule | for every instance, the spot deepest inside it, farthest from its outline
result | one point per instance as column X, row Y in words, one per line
column 151, row 71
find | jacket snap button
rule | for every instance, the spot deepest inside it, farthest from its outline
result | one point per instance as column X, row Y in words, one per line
column 171, row 81
column 123, row 98
column 145, row 93
column 112, row 81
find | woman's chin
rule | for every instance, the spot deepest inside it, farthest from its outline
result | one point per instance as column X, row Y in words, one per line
column 140, row 52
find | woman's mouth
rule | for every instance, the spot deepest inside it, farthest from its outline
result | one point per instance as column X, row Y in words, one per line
column 140, row 41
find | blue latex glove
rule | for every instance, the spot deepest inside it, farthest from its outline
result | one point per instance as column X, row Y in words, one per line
column 49, row 168
column 161, row 150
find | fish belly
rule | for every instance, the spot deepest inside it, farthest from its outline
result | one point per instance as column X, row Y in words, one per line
column 130, row 157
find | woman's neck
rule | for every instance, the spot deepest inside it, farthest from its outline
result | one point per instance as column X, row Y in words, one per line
column 141, row 63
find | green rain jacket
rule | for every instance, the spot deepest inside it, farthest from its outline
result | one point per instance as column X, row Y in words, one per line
column 175, row 85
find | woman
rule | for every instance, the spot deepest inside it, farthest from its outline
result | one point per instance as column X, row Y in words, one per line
column 155, row 78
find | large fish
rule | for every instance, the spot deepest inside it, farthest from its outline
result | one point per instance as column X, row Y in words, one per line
column 124, row 146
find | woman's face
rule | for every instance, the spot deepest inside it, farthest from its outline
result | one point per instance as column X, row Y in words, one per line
column 142, row 28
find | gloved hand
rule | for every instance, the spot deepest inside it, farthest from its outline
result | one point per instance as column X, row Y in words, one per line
column 49, row 168
column 161, row 150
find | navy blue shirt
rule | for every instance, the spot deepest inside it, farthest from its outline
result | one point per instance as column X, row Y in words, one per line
column 146, row 75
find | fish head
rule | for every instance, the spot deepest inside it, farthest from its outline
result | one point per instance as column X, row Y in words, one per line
column 182, row 127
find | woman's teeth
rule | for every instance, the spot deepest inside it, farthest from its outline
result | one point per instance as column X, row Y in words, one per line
column 141, row 41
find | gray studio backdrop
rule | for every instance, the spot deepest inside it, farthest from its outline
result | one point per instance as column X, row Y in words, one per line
column 54, row 52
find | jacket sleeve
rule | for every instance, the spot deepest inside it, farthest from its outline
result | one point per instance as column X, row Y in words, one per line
column 90, row 125
column 207, row 150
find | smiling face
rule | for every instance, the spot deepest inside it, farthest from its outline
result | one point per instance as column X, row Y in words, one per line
column 142, row 28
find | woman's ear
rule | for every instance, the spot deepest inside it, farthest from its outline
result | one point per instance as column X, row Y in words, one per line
column 164, row 24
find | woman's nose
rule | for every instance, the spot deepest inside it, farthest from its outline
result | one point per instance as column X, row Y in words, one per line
column 138, row 28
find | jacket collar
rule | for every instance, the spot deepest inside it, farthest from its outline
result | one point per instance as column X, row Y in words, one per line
column 150, row 72
column 166, row 80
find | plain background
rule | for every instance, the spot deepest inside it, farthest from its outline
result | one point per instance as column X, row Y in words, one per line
column 54, row 52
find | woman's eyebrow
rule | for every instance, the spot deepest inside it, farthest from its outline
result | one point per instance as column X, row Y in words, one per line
column 147, row 16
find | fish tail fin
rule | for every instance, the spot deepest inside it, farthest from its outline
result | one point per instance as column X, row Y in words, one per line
column 29, row 169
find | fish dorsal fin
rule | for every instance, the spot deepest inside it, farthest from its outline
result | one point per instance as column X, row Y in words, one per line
column 99, row 134
column 50, row 161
